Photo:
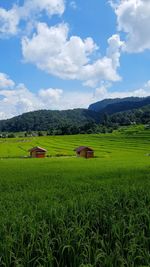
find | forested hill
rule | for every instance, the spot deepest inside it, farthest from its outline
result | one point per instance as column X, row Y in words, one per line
column 50, row 120
column 112, row 114
column 111, row 106
column 135, row 116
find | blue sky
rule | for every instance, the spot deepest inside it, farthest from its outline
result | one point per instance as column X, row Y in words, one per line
column 57, row 54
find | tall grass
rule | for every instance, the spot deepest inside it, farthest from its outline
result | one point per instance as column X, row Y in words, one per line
column 75, row 212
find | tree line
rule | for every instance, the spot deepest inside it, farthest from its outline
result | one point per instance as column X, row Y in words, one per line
column 78, row 121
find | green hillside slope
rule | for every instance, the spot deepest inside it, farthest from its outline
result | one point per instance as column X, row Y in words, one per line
column 47, row 119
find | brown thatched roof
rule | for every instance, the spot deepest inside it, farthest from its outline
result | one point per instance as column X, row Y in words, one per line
column 80, row 148
column 37, row 148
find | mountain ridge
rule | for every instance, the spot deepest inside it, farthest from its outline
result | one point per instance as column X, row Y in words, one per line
column 75, row 120
column 106, row 104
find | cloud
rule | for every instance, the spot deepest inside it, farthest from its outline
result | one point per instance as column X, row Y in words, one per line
column 71, row 100
column 133, row 18
column 71, row 58
column 103, row 92
column 50, row 95
column 34, row 7
column 28, row 12
column 20, row 100
column 57, row 53
column 5, row 81
column 17, row 99
column 73, row 5
column 114, row 49
column 9, row 21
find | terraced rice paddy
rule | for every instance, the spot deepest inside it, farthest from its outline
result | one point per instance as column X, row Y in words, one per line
column 67, row 211
column 64, row 145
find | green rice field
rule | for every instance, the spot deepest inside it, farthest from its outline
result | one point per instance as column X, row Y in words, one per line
column 64, row 211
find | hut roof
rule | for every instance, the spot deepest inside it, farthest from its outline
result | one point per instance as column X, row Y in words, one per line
column 80, row 148
column 37, row 148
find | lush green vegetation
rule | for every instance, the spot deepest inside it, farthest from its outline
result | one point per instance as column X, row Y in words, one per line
column 64, row 145
column 101, row 117
column 136, row 116
column 111, row 106
column 55, row 122
column 75, row 212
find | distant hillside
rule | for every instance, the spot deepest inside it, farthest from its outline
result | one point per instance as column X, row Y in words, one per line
column 102, row 116
column 135, row 116
column 47, row 120
column 111, row 106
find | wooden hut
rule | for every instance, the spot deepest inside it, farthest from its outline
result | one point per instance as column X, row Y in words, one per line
column 85, row 152
column 37, row 152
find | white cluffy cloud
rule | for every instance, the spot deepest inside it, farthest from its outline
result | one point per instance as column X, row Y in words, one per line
column 57, row 53
column 5, row 81
column 50, row 95
column 21, row 100
column 71, row 58
column 17, row 99
column 103, row 92
column 9, row 21
column 30, row 10
column 133, row 18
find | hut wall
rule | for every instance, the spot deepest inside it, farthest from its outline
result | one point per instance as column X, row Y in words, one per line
column 33, row 154
column 36, row 154
column 40, row 155
column 90, row 154
column 83, row 153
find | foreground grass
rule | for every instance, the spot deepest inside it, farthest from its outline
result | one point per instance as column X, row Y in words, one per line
column 76, row 212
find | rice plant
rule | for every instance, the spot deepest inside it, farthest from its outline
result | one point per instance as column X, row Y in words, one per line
column 73, row 212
